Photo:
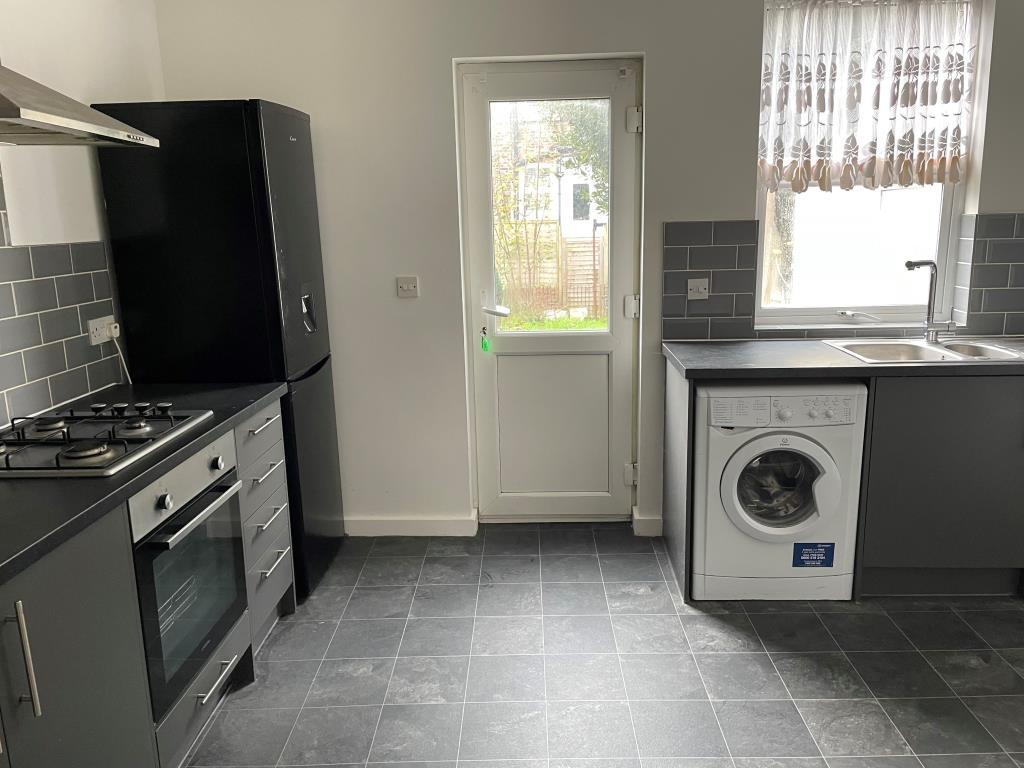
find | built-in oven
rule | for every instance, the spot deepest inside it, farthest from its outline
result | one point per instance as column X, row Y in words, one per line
column 190, row 569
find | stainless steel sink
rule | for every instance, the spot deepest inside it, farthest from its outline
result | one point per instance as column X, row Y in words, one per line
column 978, row 351
column 920, row 351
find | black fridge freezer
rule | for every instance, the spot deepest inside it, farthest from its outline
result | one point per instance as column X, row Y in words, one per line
column 215, row 241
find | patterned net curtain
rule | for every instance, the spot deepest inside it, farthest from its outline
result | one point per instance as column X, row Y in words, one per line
column 866, row 93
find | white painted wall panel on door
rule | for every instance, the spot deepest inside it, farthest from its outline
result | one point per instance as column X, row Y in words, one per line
column 553, row 438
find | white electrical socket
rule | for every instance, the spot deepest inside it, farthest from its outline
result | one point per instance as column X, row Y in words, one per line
column 103, row 329
column 408, row 286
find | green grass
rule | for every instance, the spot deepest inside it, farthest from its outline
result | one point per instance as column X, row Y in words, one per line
column 514, row 324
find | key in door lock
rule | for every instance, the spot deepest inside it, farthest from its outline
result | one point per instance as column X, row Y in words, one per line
column 485, row 340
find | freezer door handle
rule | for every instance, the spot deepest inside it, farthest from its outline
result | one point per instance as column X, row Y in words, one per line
column 308, row 313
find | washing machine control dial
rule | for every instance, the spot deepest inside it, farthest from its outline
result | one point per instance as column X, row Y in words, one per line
column 813, row 413
column 785, row 414
column 830, row 414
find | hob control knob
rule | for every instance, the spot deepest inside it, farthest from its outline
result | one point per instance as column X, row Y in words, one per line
column 141, row 407
column 165, row 502
column 98, row 408
column 119, row 409
column 217, row 463
column 164, row 408
column 813, row 413
column 785, row 414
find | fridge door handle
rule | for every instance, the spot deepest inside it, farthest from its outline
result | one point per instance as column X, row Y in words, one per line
column 308, row 313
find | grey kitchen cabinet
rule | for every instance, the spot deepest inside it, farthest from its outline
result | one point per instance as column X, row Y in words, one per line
column 4, row 762
column 80, row 626
column 945, row 485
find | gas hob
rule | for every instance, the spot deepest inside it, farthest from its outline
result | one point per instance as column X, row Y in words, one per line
column 95, row 443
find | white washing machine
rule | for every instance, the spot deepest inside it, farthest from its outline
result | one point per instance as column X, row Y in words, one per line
column 776, row 486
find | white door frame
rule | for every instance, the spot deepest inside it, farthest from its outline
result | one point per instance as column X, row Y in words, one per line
column 461, row 67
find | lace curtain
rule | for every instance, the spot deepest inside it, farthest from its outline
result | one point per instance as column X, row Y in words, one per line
column 866, row 92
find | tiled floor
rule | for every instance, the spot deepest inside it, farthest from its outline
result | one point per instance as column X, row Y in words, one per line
column 553, row 647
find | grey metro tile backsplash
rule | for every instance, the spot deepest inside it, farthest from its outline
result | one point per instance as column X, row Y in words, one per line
column 48, row 293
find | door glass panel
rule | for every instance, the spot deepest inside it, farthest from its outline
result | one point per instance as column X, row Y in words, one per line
column 549, row 213
column 777, row 488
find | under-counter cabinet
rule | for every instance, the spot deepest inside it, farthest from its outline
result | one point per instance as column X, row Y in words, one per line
column 73, row 687
column 946, row 473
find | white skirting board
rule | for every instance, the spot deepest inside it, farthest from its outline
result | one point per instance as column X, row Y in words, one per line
column 465, row 525
column 645, row 526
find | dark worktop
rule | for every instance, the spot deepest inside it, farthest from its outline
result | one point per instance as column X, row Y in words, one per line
column 811, row 358
column 39, row 513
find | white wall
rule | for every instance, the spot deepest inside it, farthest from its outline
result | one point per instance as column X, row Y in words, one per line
column 101, row 50
column 377, row 79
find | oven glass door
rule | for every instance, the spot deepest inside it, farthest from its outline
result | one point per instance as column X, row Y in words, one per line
column 191, row 580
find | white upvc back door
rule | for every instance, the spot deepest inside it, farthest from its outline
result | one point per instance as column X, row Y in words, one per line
column 550, row 185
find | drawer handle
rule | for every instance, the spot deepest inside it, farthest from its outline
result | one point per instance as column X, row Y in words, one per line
column 270, row 420
column 277, row 511
column 26, row 652
column 268, row 473
column 226, row 669
column 281, row 555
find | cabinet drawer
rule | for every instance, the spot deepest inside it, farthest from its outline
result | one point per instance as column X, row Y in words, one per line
column 260, row 479
column 268, row 579
column 266, row 525
column 179, row 728
column 257, row 433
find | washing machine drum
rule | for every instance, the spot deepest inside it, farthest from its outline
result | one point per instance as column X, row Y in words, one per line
column 777, row 487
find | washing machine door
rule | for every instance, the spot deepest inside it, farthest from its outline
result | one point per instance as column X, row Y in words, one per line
column 780, row 486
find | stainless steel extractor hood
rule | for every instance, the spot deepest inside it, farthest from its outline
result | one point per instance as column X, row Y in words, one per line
column 33, row 114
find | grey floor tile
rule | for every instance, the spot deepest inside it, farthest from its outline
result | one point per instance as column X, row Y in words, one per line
column 892, row 761
column 356, row 546
column 1018, row 757
column 740, row 676
column 590, row 729
column 444, row 600
column 865, row 632
column 636, row 633
column 567, row 541
column 509, row 600
column 506, row 678
column 852, row 727
column 390, row 571
column 578, row 634
column 939, row 726
column 366, row 638
column 511, row 635
column 503, row 731
column 417, row 732
column 379, row 603
column 721, row 633
column 582, row 676
column 660, row 733
column 709, row 607
column 898, row 674
column 904, row 604
column 777, row 606
column 402, row 546
column 782, row 632
column 245, row 737
column 691, row 762
column 985, row 603
column 977, row 673
column 297, row 641
column 449, row 546
column 570, row 568
column 999, row 760
column 512, row 542
column 508, row 764
column 279, row 684
column 820, row 676
column 1000, row 629
column 662, row 676
column 1015, row 658
column 639, row 597
column 867, row 605
column 937, row 631
column 325, row 604
column 346, row 682
column 437, row 637
column 343, row 572
column 764, row 729
column 428, row 680
column 450, row 570
column 783, row 762
column 630, row 568
column 510, row 569
column 618, row 541
column 584, row 599
column 1003, row 716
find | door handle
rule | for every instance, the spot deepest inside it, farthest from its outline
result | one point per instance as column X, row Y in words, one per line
column 270, row 420
column 26, row 652
column 228, row 666
column 496, row 311
column 261, row 527
column 308, row 313
column 171, row 541
column 268, row 473
column 281, row 555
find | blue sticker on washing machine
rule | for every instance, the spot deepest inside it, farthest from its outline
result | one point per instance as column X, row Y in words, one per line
column 814, row 555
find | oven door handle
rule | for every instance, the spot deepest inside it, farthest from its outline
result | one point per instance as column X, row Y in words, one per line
column 171, row 541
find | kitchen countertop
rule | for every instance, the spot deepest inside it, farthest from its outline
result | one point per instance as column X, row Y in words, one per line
column 812, row 358
column 39, row 513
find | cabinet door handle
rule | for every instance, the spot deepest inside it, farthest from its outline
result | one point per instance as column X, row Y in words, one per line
column 281, row 554
column 268, row 473
column 270, row 420
column 227, row 667
column 263, row 526
column 26, row 652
